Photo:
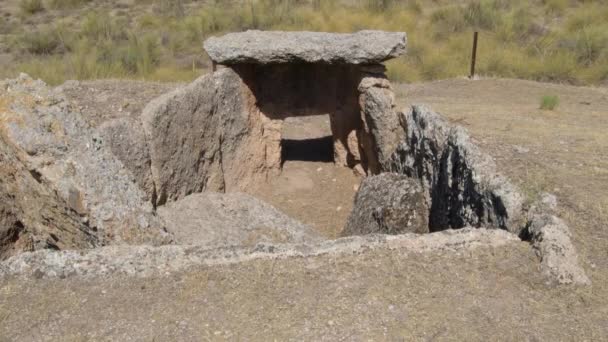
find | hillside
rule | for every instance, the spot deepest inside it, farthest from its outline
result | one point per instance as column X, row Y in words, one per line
column 546, row 40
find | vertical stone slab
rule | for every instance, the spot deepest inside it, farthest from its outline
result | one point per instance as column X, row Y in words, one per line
column 381, row 132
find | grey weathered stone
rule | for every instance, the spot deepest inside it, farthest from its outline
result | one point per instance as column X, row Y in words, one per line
column 209, row 136
column 32, row 216
column 388, row 203
column 127, row 140
column 381, row 132
column 146, row 261
column 234, row 219
column 462, row 185
column 551, row 239
column 269, row 47
column 58, row 145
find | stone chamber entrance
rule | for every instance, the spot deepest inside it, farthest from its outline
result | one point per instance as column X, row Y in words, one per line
column 315, row 111
column 307, row 139
column 326, row 93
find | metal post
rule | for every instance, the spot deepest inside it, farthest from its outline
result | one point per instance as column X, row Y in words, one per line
column 474, row 55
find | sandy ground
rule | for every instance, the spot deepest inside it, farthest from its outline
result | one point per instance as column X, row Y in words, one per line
column 483, row 294
column 310, row 187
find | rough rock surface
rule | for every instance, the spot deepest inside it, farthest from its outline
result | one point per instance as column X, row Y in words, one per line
column 58, row 145
column 269, row 47
column 32, row 216
column 551, row 239
column 215, row 219
column 381, row 129
column 462, row 185
column 146, row 261
column 388, row 203
column 208, row 136
column 127, row 140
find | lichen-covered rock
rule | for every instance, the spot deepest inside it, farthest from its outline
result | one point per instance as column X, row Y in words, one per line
column 388, row 203
column 271, row 47
column 58, row 145
column 461, row 183
column 209, row 136
column 234, row 219
column 127, row 140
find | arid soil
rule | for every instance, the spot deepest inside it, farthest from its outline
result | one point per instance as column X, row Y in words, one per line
column 482, row 294
column 310, row 187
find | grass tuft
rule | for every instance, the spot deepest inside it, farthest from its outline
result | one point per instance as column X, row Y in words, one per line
column 549, row 102
column 67, row 4
column 31, row 6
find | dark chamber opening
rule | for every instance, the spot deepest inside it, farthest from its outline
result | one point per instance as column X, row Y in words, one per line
column 312, row 150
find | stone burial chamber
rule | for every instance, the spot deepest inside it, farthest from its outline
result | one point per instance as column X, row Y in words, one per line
column 153, row 181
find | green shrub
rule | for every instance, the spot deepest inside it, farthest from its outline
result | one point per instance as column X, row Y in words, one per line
column 549, row 102
column 141, row 54
column 67, row 4
column 40, row 42
column 555, row 6
column 591, row 43
column 31, row 6
column 483, row 14
column 98, row 26
column 448, row 20
column 380, row 5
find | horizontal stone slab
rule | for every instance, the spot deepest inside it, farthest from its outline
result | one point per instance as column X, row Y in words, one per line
column 268, row 47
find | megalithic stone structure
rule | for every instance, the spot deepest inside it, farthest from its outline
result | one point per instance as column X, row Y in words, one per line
column 223, row 132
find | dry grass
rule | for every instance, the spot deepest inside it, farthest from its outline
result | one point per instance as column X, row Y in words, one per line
column 549, row 40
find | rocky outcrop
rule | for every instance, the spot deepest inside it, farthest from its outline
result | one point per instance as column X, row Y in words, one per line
column 268, row 47
column 388, row 203
column 58, row 146
column 127, row 140
column 235, row 219
column 462, row 185
column 209, row 136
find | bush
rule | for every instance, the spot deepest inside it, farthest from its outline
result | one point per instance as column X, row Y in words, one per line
column 141, row 55
column 31, row 6
column 40, row 42
column 549, row 102
column 483, row 14
column 555, row 6
column 98, row 26
column 67, row 4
